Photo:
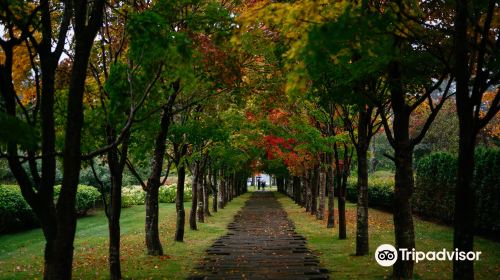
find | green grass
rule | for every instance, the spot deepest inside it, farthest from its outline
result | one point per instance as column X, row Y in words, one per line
column 21, row 254
column 338, row 255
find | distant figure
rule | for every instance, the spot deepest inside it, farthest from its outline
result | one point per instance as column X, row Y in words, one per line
column 263, row 185
column 258, row 184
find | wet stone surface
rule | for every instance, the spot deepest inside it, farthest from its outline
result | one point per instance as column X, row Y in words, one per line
column 261, row 244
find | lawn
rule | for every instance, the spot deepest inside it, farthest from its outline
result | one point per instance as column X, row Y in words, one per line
column 337, row 255
column 21, row 254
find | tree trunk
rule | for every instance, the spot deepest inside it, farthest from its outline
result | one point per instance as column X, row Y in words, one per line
column 296, row 189
column 222, row 188
column 322, row 193
column 463, row 238
column 303, row 191
column 58, row 261
column 153, row 243
column 403, row 188
column 114, row 224
column 116, row 164
column 307, row 185
column 314, row 190
column 403, row 219
column 179, row 202
column 362, row 241
column 194, row 200
column 215, row 193
column 342, row 192
column 331, row 197
column 207, row 186
column 66, row 218
column 227, row 189
column 201, row 198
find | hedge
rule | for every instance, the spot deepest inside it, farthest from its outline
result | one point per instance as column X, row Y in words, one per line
column 15, row 213
column 434, row 196
column 380, row 192
column 135, row 195
column 434, row 191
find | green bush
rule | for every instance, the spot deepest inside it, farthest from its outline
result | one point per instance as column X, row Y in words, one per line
column 435, row 186
column 135, row 195
column 168, row 193
column 86, row 198
column 16, row 214
column 434, row 195
column 380, row 191
column 487, row 185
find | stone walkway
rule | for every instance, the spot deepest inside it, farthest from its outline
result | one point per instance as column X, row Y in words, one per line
column 261, row 244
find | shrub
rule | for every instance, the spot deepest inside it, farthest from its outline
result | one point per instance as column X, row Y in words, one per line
column 380, row 191
column 435, row 188
column 135, row 195
column 87, row 176
column 16, row 214
column 434, row 195
column 86, row 198
column 487, row 185
column 168, row 193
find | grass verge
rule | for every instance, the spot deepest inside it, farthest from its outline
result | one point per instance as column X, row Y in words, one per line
column 338, row 255
column 21, row 254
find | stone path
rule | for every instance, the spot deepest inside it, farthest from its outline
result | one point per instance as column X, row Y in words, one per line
column 261, row 244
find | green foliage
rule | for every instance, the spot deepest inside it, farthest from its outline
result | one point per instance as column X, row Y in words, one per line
column 487, row 185
column 434, row 195
column 87, row 176
column 442, row 135
column 16, row 214
column 167, row 193
column 132, row 195
column 118, row 88
column 5, row 173
column 135, row 195
column 380, row 191
column 17, row 131
column 86, row 198
column 436, row 178
column 380, row 146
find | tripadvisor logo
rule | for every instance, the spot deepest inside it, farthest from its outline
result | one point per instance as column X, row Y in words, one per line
column 387, row 255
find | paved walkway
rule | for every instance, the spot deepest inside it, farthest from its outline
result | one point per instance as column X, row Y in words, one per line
column 261, row 244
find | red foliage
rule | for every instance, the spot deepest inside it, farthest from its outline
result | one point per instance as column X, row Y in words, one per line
column 297, row 160
column 278, row 116
column 217, row 62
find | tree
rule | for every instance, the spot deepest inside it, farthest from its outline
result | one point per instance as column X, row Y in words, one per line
column 475, row 66
column 58, row 219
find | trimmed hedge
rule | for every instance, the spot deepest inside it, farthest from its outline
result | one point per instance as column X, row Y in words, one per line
column 435, row 185
column 434, row 195
column 135, row 195
column 380, row 192
column 16, row 214
column 434, row 191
